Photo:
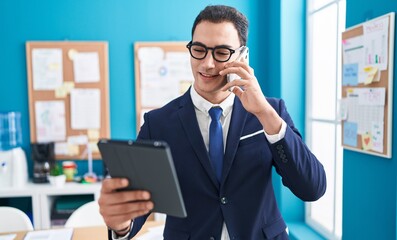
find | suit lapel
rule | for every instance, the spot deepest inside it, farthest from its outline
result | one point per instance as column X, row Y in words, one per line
column 188, row 118
column 237, row 123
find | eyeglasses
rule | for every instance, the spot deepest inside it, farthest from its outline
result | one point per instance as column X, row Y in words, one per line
column 219, row 53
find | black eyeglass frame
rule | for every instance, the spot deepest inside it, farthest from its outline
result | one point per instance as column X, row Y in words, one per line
column 232, row 51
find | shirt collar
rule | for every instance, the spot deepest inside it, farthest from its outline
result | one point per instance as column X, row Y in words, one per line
column 204, row 106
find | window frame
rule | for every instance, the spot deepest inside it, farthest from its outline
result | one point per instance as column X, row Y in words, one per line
column 309, row 120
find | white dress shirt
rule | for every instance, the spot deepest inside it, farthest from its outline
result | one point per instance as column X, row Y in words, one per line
column 201, row 107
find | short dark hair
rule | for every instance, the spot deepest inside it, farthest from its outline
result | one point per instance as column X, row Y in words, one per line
column 222, row 13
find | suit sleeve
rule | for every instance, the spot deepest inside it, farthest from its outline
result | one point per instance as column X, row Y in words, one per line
column 299, row 168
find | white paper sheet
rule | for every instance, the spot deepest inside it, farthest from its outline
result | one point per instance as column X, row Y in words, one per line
column 61, row 148
column 376, row 37
column 86, row 67
column 363, row 115
column 371, row 96
column 53, row 234
column 47, row 68
column 353, row 52
column 8, row 237
column 50, row 121
column 78, row 140
column 85, row 108
column 164, row 79
column 377, row 136
column 154, row 233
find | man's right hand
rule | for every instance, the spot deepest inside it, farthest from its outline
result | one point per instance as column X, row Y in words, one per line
column 118, row 208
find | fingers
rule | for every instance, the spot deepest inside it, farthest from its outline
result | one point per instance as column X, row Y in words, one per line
column 239, row 83
column 112, row 184
column 243, row 66
column 110, row 195
column 119, row 207
column 237, row 91
column 130, row 209
column 240, row 71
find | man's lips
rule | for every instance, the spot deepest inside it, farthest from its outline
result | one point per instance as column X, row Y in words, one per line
column 208, row 76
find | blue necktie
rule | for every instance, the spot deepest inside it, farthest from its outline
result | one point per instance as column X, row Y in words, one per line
column 216, row 141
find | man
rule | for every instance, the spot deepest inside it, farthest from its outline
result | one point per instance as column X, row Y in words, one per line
column 228, row 196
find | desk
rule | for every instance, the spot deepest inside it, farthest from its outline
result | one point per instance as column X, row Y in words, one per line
column 97, row 233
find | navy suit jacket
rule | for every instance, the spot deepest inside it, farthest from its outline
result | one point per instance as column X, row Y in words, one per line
column 244, row 199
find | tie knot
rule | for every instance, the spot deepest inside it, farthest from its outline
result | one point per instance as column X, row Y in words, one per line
column 215, row 113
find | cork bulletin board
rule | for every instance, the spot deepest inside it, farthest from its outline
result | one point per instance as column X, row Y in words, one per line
column 68, row 95
column 367, row 86
column 162, row 73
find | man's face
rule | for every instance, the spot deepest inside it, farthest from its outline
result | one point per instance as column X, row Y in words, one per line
column 206, row 71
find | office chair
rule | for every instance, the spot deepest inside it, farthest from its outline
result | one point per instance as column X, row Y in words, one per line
column 86, row 216
column 14, row 220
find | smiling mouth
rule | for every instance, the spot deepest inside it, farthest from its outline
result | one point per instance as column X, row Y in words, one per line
column 208, row 75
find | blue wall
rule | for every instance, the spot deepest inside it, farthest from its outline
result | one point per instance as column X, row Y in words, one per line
column 121, row 23
column 369, row 182
column 283, row 55
column 272, row 26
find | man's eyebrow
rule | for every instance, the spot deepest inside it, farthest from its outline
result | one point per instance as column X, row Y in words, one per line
column 219, row 46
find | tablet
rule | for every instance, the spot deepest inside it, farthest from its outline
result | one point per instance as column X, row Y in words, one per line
column 148, row 165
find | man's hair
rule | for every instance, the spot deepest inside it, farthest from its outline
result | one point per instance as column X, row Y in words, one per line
column 221, row 13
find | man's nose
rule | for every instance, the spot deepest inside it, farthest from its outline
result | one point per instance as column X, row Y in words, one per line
column 209, row 60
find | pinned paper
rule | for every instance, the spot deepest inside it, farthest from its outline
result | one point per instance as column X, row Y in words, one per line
column 68, row 86
column 372, row 74
column 366, row 140
column 94, row 147
column 376, row 36
column 61, row 92
column 78, row 139
column 371, row 96
column 50, row 121
column 86, row 67
column 61, row 148
column 85, row 108
column 350, row 74
column 64, row 90
column 353, row 53
column 377, row 136
column 73, row 150
column 350, row 134
column 93, row 134
column 47, row 68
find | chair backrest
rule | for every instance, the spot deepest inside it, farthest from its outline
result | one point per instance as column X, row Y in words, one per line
column 13, row 220
column 85, row 216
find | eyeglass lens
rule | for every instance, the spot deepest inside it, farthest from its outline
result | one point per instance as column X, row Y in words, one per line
column 220, row 54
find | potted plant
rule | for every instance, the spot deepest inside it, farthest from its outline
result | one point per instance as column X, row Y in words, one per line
column 57, row 178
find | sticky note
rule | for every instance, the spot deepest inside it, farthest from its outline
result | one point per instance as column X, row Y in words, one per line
column 350, row 74
column 93, row 134
column 350, row 134
column 61, row 92
column 68, row 86
column 94, row 147
column 366, row 141
column 372, row 74
column 73, row 150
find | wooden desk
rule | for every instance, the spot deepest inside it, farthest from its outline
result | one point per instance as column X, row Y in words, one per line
column 97, row 233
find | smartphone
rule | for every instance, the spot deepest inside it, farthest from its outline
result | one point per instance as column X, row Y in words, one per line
column 243, row 56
